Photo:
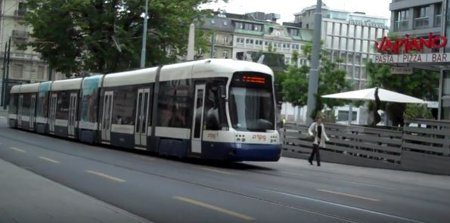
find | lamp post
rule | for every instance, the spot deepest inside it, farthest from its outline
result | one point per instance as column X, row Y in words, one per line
column 144, row 36
column 313, row 82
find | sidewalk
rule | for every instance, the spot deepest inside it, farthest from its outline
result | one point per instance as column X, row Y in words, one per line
column 27, row 197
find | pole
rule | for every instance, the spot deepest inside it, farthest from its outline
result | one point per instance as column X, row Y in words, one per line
column 4, row 74
column 313, row 83
column 7, row 75
column 144, row 36
column 191, row 43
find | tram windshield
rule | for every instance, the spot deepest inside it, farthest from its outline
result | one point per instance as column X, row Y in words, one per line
column 251, row 103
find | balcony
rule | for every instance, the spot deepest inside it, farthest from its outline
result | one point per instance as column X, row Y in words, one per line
column 401, row 25
column 422, row 22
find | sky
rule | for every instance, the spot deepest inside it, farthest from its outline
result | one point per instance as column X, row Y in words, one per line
column 287, row 8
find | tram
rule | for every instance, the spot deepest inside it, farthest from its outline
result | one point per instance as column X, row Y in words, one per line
column 216, row 109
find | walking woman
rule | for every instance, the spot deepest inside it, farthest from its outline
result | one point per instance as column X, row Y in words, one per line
column 317, row 130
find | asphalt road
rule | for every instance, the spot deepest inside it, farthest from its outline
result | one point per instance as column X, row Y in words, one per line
column 160, row 189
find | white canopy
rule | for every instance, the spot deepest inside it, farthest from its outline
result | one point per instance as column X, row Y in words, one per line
column 369, row 94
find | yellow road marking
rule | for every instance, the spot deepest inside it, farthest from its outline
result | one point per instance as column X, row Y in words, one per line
column 217, row 171
column 348, row 195
column 49, row 160
column 106, row 176
column 18, row 150
column 215, row 208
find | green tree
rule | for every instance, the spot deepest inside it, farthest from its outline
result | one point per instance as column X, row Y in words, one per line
column 105, row 36
column 421, row 84
column 331, row 80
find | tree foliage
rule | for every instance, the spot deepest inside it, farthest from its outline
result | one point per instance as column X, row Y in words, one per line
column 421, row 84
column 331, row 80
column 105, row 35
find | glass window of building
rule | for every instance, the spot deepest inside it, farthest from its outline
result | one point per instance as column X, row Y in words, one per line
column 351, row 30
column 358, row 46
column 401, row 20
column 358, row 32
column 421, row 16
column 438, row 15
column 365, row 46
column 350, row 44
column 239, row 25
column 343, row 43
column 329, row 27
column 335, row 42
column 344, row 28
column 328, row 42
column 372, row 34
column 337, row 29
column 365, row 32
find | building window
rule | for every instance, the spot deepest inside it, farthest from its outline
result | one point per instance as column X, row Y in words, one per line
column 239, row 25
column 257, row 28
column 401, row 20
column 344, row 28
column 438, row 15
column 21, row 9
column 225, row 54
column 421, row 17
column 17, row 71
column 40, row 73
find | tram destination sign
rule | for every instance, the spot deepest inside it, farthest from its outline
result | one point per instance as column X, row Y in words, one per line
column 412, row 58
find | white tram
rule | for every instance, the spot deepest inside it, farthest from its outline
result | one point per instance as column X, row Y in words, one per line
column 212, row 109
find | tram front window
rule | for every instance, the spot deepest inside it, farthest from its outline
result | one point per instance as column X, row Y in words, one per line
column 251, row 109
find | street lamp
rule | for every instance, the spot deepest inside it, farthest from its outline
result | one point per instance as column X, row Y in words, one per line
column 144, row 36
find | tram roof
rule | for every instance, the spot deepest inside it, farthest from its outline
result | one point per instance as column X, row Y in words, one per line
column 29, row 88
column 69, row 84
column 193, row 69
column 226, row 67
column 130, row 77
column 15, row 89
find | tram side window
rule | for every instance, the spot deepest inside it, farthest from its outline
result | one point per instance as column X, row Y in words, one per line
column 124, row 104
column 13, row 104
column 26, row 103
column 173, row 104
column 42, row 104
column 62, row 107
column 89, row 106
column 215, row 107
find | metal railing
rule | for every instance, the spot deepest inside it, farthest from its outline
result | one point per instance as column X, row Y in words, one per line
column 420, row 142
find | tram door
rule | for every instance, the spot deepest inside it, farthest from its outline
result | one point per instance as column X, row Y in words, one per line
column 52, row 113
column 19, row 111
column 197, row 123
column 141, row 122
column 72, row 115
column 32, row 111
column 106, row 117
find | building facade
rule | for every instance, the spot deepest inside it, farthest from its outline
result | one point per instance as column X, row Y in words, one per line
column 420, row 19
column 24, row 65
column 349, row 38
column 246, row 36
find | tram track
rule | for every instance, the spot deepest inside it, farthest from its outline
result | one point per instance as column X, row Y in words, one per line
column 247, row 167
column 203, row 185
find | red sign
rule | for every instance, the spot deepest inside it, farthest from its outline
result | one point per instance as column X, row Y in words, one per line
column 407, row 44
column 254, row 80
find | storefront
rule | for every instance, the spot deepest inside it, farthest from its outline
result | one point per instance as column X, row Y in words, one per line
column 407, row 53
